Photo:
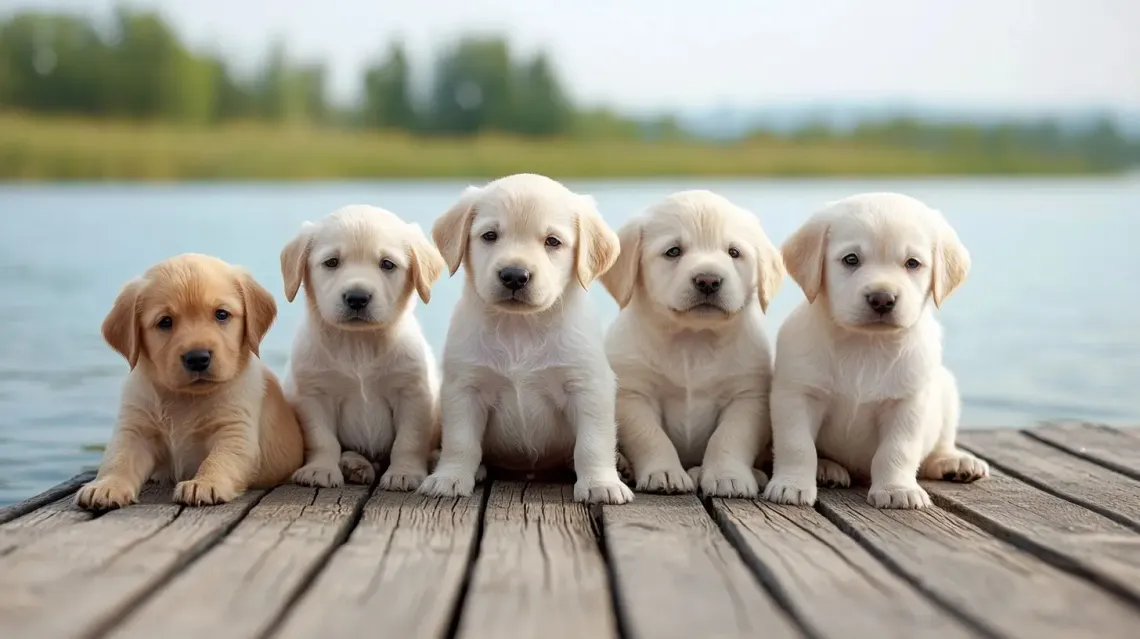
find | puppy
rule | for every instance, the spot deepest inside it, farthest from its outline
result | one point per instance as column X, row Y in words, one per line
column 362, row 376
column 526, row 385
column 198, row 406
column 859, row 374
column 693, row 363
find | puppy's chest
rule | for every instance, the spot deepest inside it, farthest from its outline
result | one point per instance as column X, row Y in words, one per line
column 862, row 377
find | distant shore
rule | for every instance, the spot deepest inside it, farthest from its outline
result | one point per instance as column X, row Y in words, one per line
column 50, row 149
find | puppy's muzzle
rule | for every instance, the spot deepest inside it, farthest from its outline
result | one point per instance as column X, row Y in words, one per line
column 881, row 302
column 514, row 278
column 707, row 284
column 356, row 299
column 197, row 361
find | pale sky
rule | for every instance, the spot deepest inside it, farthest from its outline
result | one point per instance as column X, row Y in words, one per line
column 668, row 54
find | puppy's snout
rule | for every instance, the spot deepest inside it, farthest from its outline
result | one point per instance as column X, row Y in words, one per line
column 514, row 277
column 357, row 299
column 881, row 302
column 707, row 284
column 196, row 361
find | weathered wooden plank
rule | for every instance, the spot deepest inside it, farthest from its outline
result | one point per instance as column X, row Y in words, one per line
column 58, row 514
column 240, row 588
column 1005, row 590
column 77, row 580
column 400, row 573
column 540, row 571
column 1063, row 533
column 1105, row 491
column 677, row 576
column 8, row 513
column 1104, row 445
column 833, row 586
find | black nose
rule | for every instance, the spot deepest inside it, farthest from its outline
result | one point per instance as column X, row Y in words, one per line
column 707, row 284
column 357, row 299
column 514, row 277
column 196, row 361
column 881, row 302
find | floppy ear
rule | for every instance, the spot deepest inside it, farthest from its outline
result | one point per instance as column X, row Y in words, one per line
column 769, row 270
column 451, row 230
column 804, row 253
column 598, row 245
column 620, row 279
column 951, row 264
column 121, row 327
column 426, row 264
column 260, row 309
column 295, row 259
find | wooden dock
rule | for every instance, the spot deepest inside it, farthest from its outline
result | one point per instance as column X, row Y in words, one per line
column 1047, row 547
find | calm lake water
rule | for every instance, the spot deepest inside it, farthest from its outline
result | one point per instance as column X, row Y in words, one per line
column 1047, row 326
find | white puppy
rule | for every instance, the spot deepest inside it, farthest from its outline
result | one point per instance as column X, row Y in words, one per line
column 694, row 366
column 362, row 376
column 859, row 374
column 526, row 385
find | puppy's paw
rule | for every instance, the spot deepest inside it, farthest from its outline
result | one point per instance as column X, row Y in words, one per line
column 447, row 485
column 319, row 476
column 202, row 492
column 895, row 496
column 790, row 490
column 356, row 469
column 958, row 466
column 402, row 479
column 480, row 473
column 728, row 480
column 831, row 474
column 669, row 481
column 106, row 494
column 602, row 491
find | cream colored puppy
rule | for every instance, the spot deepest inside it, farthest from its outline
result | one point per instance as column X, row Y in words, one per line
column 694, row 365
column 526, row 385
column 859, row 375
column 362, row 376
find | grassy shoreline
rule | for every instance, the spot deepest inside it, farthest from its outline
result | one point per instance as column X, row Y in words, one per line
column 57, row 149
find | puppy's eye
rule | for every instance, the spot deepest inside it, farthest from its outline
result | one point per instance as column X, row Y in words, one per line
column 490, row 236
column 851, row 260
column 221, row 315
column 387, row 265
column 332, row 262
column 553, row 242
column 166, row 323
column 733, row 253
column 913, row 264
column 673, row 252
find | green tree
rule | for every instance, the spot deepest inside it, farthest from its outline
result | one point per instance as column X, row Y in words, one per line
column 472, row 90
column 387, row 92
column 541, row 106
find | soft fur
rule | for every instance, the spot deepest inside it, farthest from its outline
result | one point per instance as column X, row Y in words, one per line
column 526, row 385
column 215, row 432
column 694, row 366
column 363, row 380
column 867, row 389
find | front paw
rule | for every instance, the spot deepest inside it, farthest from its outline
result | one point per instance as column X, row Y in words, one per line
column 602, row 491
column 665, row 480
column 402, row 480
column 203, row 492
column 959, row 466
column 448, row 485
column 106, row 494
column 319, row 476
column 895, row 496
column 791, row 490
column 831, row 474
column 356, row 469
column 728, row 480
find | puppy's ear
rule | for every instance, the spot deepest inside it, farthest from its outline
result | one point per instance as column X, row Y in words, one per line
column 260, row 309
column 451, row 230
column 621, row 278
column 121, row 328
column 598, row 245
column 804, row 253
column 951, row 264
column 769, row 270
column 295, row 259
column 426, row 264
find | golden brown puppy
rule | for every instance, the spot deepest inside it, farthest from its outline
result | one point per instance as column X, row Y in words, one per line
column 198, row 406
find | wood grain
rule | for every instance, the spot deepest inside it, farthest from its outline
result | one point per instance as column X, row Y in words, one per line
column 54, row 515
column 1104, row 445
column 1005, row 590
column 400, row 573
column 243, row 585
column 78, row 580
column 833, row 585
column 19, row 509
column 540, row 571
